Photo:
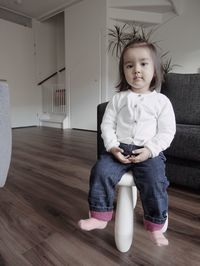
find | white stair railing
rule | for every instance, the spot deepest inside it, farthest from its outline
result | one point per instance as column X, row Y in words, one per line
column 54, row 99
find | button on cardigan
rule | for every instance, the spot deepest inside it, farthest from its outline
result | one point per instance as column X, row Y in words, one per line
column 140, row 119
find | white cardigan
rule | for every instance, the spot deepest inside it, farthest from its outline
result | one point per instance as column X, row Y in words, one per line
column 140, row 119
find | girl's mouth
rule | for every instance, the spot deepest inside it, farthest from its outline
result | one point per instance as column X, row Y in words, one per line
column 137, row 78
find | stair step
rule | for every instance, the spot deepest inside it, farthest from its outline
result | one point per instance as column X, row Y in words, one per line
column 54, row 120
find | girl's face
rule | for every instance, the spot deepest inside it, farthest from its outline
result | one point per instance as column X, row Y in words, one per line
column 138, row 68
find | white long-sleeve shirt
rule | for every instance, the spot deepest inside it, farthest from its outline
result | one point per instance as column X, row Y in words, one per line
column 141, row 119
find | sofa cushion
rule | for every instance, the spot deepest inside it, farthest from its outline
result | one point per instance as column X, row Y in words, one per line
column 186, row 144
column 183, row 172
column 184, row 92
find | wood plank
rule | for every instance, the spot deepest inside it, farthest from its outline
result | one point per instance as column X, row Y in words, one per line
column 46, row 194
column 18, row 221
column 71, row 249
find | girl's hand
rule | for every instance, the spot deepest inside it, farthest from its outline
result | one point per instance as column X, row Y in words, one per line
column 140, row 155
column 117, row 152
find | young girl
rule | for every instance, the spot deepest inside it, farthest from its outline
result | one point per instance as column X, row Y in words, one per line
column 138, row 124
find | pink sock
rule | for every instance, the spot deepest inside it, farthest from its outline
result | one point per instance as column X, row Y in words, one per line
column 91, row 224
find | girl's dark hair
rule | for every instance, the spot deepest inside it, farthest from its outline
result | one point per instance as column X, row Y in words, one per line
column 158, row 77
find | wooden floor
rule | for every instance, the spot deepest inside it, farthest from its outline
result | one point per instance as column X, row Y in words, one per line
column 46, row 194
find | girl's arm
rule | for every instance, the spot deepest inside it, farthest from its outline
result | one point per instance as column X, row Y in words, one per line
column 108, row 128
column 166, row 128
column 108, row 125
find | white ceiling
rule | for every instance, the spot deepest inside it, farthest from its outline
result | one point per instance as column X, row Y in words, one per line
column 37, row 9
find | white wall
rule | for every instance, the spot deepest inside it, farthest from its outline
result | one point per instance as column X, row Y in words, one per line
column 113, row 62
column 50, row 46
column 60, row 46
column 85, row 28
column 60, row 40
column 17, row 66
column 50, row 53
column 45, row 41
column 181, row 37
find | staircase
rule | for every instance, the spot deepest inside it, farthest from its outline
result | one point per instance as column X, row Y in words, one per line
column 54, row 120
column 145, row 12
column 54, row 106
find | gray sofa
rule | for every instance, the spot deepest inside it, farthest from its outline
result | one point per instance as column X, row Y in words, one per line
column 183, row 156
column 5, row 132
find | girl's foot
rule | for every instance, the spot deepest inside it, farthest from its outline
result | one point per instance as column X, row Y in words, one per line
column 91, row 224
column 158, row 238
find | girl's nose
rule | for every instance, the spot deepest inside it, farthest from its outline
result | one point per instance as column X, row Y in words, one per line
column 137, row 71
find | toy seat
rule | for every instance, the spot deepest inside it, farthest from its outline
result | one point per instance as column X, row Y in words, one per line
column 124, row 217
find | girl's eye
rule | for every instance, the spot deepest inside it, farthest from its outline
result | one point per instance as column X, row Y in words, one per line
column 129, row 66
column 144, row 64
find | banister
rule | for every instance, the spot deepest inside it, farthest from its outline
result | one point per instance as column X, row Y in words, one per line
column 52, row 75
column 62, row 69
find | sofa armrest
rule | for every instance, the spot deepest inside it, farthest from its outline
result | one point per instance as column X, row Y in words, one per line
column 100, row 112
column 5, row 133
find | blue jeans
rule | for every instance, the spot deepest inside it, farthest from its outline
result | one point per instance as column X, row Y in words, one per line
column 149, row 177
